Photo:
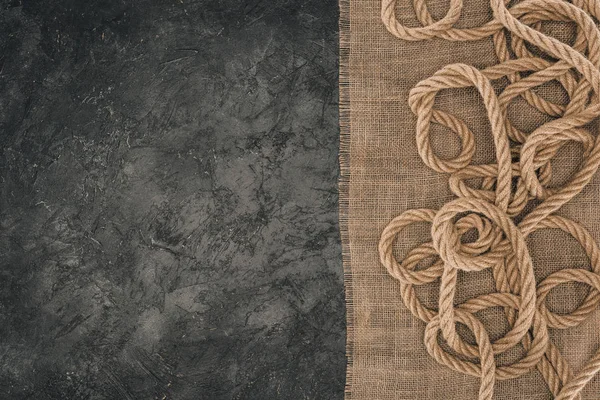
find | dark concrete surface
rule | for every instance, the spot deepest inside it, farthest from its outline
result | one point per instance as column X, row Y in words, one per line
column 168, row 202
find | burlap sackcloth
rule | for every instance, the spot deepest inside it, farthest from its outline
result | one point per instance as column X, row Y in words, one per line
column 382, row 176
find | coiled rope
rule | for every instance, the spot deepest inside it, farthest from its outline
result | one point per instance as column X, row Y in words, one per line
column 491, row 208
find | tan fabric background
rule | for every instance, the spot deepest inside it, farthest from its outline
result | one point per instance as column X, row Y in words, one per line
column 383, row 175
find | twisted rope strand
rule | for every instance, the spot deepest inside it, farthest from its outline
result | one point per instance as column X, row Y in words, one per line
column 521, row 173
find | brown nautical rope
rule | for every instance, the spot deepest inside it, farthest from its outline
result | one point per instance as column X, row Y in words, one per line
column 521, row 173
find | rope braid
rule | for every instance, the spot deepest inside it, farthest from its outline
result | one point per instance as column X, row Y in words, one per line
column 520, row 175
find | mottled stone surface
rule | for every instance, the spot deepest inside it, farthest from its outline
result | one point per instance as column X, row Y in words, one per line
column 168, row 200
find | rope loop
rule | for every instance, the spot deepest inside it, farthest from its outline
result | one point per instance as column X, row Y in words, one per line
column 478, row 230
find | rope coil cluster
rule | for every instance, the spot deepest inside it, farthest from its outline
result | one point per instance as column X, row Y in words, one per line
column 522, row 173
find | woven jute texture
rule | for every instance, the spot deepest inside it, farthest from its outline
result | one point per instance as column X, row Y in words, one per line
column 383, row 176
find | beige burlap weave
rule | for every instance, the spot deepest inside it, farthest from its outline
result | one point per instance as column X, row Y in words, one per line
column 527, row 143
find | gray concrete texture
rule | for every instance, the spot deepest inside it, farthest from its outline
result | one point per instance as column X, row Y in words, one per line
column 168, row 200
